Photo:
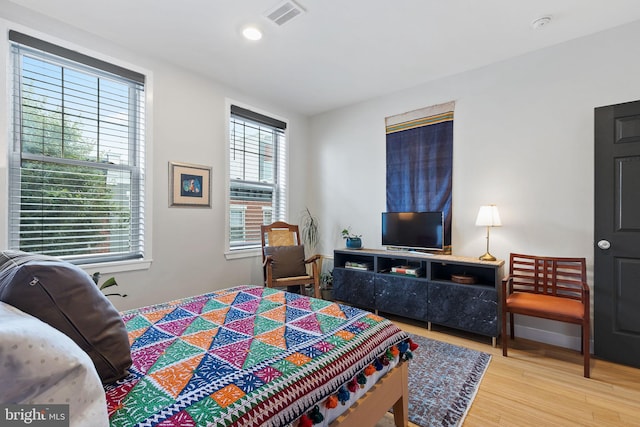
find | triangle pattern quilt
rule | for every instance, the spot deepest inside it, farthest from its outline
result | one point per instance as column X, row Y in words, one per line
column 247, row 355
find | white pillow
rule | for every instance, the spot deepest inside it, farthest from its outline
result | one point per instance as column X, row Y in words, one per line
column 40, row 365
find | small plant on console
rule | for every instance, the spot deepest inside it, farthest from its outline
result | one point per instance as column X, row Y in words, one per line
column 354, row 241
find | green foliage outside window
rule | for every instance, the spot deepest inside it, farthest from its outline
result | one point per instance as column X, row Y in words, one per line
column 67, row 203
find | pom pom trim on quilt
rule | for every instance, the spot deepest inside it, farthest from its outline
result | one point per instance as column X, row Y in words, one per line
column 403, row 351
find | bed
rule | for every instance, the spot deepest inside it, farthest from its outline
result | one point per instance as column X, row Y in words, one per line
column 245, row 356
column 256, row 356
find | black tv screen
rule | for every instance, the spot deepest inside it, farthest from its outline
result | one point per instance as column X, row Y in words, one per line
column 413, row 230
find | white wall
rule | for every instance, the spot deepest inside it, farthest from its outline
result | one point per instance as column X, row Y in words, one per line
column 187, row 125
column 523, row 139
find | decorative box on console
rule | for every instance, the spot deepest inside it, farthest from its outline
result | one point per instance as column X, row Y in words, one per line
column 464, row 279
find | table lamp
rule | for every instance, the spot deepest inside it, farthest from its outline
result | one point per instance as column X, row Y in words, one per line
column 488, row 216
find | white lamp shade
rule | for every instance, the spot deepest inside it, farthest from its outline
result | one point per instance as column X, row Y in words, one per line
column 488, row 216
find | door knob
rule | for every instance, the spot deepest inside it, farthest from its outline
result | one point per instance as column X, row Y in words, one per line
column 604, row 244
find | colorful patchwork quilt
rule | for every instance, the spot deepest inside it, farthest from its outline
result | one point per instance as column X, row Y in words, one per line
column 246, row 356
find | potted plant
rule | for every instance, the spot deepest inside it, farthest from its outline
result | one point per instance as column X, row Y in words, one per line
column 309, row 229
column 111, row 281
column 353, row 241
column 326, row 285
column 309, row 235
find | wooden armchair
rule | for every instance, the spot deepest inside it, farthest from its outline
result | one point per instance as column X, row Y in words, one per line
column 283, row 259
column 549, row 288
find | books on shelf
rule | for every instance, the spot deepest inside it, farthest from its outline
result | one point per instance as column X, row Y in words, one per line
column 359, row 265
column 407, row 270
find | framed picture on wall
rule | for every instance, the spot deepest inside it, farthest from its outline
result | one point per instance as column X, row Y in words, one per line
column 189, row 185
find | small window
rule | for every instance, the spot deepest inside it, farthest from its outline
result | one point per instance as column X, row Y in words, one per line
column 76, row 165
column 257, row 165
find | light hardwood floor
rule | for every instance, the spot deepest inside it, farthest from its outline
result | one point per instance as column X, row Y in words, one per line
column 541, row 385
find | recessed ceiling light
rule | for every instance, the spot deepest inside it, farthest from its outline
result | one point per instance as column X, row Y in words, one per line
column 252, row 33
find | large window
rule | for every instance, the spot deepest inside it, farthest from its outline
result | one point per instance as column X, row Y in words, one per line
column 76, row 165
column 257, row 167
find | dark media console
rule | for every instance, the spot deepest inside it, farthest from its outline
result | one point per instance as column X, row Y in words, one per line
column 457, row 292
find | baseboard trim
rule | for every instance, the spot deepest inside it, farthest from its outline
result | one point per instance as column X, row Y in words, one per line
column 549, row 337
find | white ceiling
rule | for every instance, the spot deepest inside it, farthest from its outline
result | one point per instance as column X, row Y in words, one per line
column 339, row 52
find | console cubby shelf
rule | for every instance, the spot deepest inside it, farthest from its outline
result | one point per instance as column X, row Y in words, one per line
column 363, row 278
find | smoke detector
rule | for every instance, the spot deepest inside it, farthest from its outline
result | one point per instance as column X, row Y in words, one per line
column 540, row 23
column 284, row 12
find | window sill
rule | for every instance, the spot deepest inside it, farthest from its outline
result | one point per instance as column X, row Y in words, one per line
column 242, row 253
column 117, row 266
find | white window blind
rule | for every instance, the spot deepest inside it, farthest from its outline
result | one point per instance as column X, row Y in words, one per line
column 258, row 181
column 76, row 165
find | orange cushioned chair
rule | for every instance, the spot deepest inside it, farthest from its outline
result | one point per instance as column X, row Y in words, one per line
column 550, row 288
column 283, row 259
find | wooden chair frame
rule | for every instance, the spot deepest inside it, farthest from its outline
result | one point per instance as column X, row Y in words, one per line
column 283, row 234
column 549, row 288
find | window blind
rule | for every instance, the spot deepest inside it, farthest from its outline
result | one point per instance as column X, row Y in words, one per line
column 258, row 181
column 76, row 165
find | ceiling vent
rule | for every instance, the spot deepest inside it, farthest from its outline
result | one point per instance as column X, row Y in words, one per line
column 284, row 12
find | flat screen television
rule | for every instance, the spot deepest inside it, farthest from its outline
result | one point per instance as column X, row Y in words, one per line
column 413, row 230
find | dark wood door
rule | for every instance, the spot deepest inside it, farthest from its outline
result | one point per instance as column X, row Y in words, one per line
column 617, row 233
